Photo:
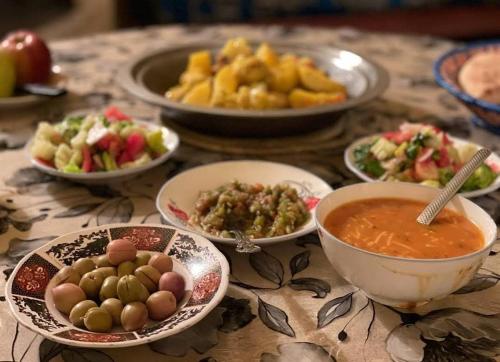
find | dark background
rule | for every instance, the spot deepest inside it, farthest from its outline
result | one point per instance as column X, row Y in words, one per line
column 457, row 19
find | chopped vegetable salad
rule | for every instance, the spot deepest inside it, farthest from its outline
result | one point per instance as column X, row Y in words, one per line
column 96, row 142
column 421, row 153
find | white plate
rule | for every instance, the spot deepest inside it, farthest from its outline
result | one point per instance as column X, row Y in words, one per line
column 177, row 197
column 170, row 140
column 204, row 268
column 351, row 164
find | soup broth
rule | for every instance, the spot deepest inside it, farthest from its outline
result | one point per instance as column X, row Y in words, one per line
column 388, row 226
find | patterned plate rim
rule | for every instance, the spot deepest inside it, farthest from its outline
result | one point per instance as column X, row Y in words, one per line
column 216, row 299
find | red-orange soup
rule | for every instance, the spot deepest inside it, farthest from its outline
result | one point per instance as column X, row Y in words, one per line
column 388, row 226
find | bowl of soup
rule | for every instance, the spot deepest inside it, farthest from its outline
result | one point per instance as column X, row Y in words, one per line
column 370, row 235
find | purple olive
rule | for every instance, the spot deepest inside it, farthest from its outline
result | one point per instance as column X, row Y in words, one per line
column 172, row 282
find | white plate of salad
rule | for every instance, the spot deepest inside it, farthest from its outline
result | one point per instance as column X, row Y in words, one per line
column 420, row 153
column 100, row 147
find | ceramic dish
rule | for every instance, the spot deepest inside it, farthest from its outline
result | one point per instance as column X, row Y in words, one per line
column 171, row 142
column 397, row 281
column 177, row 197
column 28, row 100
column 446, row 70
column 151, row 75
column 351, row 165
column 204, row 268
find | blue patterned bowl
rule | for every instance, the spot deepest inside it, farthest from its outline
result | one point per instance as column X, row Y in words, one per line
column 446, row 70
column 203, row 267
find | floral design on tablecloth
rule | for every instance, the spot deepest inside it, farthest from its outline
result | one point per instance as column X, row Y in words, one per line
column 287, row 301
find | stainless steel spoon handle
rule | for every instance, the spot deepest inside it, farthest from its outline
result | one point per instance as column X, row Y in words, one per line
column 243, row 243
column 447, row 193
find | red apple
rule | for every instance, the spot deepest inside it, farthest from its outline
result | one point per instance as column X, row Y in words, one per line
column 31, row 56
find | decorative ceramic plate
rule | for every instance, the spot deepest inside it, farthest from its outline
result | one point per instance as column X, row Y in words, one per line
column 150, row 75
column 204, row 268
column 170, row 140
column 177, row 197
column 351, row 164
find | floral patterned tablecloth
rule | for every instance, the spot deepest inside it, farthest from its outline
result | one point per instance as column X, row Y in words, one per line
column 286, row 303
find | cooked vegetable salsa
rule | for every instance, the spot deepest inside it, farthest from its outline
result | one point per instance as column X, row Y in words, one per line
column 96, row 142
column 258, row 210
column 421, row 153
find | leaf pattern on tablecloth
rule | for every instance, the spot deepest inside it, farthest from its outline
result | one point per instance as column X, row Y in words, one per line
column 28, row 176
column 16, row 218
column 320, row 287
column 481, row 281
column 267, row 266
column 275, row 318
column 118, row 210
column 18, row 248
column 299, row 262
column 299, row 351
column 237, row 314
column 451, row 334
column 77, row 210
column 334, row 309
column 200, row 337
column 49, row 350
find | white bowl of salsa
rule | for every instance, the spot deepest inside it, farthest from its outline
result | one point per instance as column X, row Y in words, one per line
column 369, row 234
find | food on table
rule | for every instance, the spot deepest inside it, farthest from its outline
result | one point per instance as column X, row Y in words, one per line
column 120, row 250
column 114, row 307
column 244, row 79
column 134, row 316
column 259, row 211
column 7, row 74
column 98, row 320
column 66, row 296
column 96, row 142
column 149, row 277
column 91, row 284
column 161, row 304
column 480, row 76
column 420, row 153
column 67, row 274
column 388, row 226
column 130, row 289
column 161, row 262
column 106, row 296
column 79, row 310
column 172, row 282
column 83, row 265
column 31, row 56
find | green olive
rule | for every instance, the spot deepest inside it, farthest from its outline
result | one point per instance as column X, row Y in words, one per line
column 84, row 265
column 126, row 268
column 114, row 307
column 102, row 261
column 67, row 275
column 142, row 258
column 130, row 289
column 98, row 320
column 148, row 276
column 134, row 316
column 106, row 271
column 108, row 288
column 78, row 312
column 91, row 284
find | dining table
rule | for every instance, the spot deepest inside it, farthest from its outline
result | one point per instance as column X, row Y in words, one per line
column 285, row 303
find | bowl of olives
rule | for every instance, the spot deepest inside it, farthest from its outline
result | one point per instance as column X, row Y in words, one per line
column 117, row 285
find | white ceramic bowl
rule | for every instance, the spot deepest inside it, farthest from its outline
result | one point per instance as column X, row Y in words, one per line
column 170, row 140
column 350, row 162
column 177, row 197
column 397, row 281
